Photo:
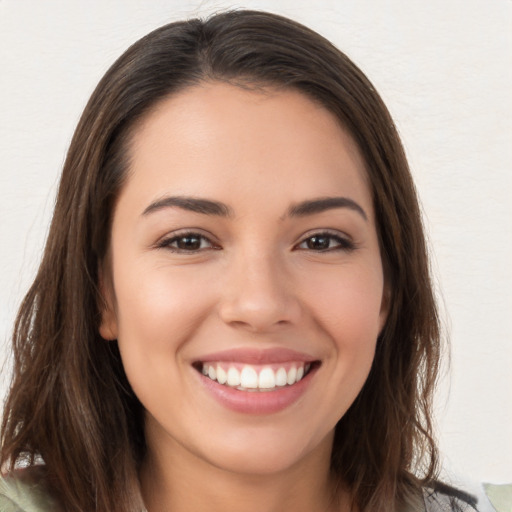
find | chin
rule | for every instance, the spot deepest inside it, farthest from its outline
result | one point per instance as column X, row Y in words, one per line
column 254, row 463
column 267, row 453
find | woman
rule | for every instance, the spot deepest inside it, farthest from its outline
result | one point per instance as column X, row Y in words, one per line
column 234, row 307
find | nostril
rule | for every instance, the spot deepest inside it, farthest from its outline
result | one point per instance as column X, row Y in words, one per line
column 261, row 315
column 258, row 298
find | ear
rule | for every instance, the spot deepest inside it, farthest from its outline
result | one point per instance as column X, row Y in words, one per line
column 108, row 323
column 384, row 306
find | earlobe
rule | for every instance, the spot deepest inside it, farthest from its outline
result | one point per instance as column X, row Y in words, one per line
column 384, row 307
column 108, row 322
column 108, row 325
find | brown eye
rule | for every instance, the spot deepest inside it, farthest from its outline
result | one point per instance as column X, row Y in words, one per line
column 318, row 243
column 187, row 243
column 323, row 242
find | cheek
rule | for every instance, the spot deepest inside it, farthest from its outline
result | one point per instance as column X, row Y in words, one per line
column 157, row 312
column 348, row 310
column 159, row 300
column 349, row 304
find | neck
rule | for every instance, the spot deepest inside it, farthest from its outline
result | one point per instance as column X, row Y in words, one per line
column 178, row 481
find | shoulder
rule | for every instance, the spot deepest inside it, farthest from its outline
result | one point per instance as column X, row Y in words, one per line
column 25, row 490
column 444, row 498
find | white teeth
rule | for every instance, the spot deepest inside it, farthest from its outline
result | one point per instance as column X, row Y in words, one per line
column 267, row 379
column 221, row 375
column 249, row 379
column 292, row 374
column 281, row 377
column 233, row 377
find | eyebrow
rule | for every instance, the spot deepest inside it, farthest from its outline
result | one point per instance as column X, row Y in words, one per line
column 323, row 204
column 216, row 208
column 192, row 204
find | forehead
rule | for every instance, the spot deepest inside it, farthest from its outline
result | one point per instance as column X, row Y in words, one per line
column 217, row 139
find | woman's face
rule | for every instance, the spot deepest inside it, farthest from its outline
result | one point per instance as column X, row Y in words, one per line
column 244, row 247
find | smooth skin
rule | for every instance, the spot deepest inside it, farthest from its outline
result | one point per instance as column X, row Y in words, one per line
column 255, row 272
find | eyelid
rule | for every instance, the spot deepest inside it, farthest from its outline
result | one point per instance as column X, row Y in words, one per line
column 346, row 241
column 165, row 241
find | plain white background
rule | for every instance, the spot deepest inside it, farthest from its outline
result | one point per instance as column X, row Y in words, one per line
column 444, row 68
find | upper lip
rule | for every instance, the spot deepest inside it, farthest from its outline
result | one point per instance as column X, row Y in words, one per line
column 258, row 356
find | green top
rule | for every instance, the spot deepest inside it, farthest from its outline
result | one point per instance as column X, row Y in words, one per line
column 500, row 496
column 26, row 492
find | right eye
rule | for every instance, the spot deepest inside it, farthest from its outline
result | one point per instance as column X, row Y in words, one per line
column 187, row 243
column 326, row 242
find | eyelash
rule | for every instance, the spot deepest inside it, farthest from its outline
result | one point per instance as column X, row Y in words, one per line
column 167, row 243
column 341, row 243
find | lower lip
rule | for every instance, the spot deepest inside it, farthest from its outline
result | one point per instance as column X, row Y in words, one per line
column 257, row 402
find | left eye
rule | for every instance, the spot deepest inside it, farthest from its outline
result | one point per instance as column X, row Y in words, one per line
column 325, row 242
column 188, row 242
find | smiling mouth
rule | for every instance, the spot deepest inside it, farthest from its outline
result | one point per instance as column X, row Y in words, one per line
column 255, row 378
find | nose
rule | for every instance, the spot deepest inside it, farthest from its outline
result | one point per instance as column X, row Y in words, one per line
column 259, row 295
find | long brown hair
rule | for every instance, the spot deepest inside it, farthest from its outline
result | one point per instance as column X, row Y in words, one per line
column 70, row 403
